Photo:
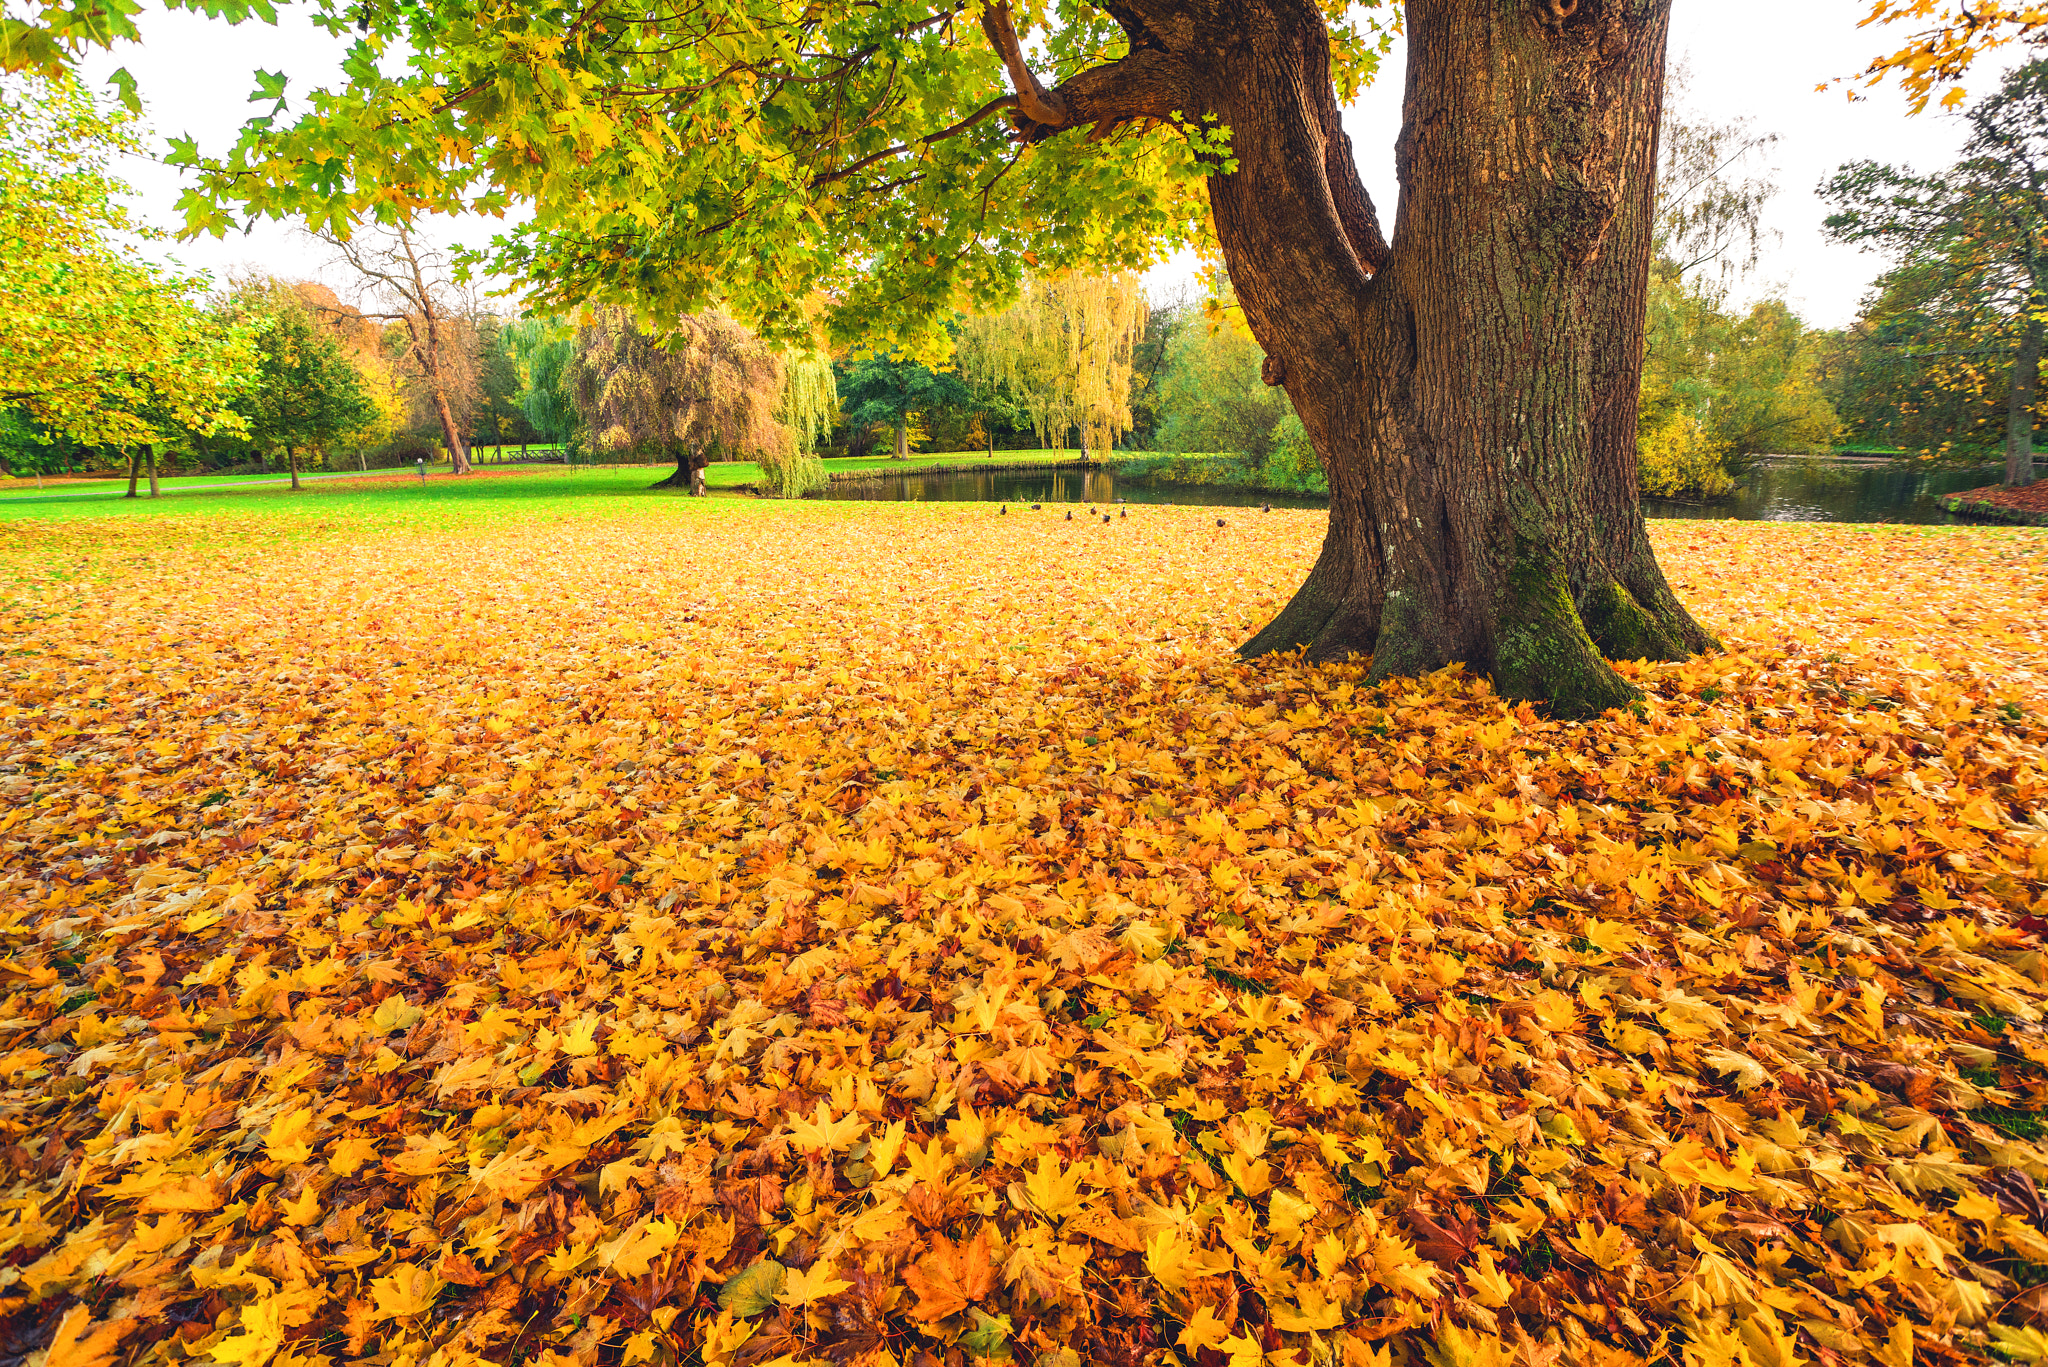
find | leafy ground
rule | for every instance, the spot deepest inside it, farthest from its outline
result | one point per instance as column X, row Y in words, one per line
column 604, row 930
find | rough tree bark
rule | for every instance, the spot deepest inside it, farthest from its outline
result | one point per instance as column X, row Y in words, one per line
column 2019, row 418
column 1471, row 387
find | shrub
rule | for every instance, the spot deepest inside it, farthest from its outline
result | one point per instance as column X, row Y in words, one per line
column 1293, row 466
column 402, row 454
column 791, row 472
column 1677, row 459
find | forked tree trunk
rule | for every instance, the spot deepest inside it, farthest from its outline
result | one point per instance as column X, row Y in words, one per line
column 1472, row 389
column 2019, row 420
column 155, row 490
column 134, row 472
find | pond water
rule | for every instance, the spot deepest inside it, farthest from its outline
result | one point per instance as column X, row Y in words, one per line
column 1790, row 491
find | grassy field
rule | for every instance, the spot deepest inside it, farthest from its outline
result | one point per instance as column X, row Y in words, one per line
column 722, row 476
column 533, row 920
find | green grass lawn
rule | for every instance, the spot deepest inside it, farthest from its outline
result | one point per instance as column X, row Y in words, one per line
column 726, row 475
column 116, row 485
column 439, row 499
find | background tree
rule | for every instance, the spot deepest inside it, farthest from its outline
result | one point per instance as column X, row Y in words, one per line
column 497, row 416
column 1164, row 321
column 377, row 372
column 303, row 393
column 807, row 410
column 1213, row 395
column 891, row 387
column 97, row 346
column 544, row 350
column 1975, row 238
column 1721, row 386
column 704, row 389
column 412, row 286
column 1912, row 372
column 1062, row 354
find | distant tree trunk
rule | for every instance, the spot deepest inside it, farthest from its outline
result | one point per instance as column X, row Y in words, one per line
column 362, row 461
column 688, row 474
column 134, row 473
column 291, row 455
column 154, row 490
column 2019, row 419
column 902, row 451
column 988, row 432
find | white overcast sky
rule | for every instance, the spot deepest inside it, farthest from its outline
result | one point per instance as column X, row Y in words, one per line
column 1756, row 58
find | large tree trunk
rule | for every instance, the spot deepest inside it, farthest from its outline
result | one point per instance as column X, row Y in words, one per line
column 1471, row 389
column 2019, row 418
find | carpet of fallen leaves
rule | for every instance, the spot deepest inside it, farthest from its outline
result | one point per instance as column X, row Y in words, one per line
column 884, row 934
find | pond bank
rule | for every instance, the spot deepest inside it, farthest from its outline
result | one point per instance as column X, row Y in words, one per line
column 987, row 467
column 2027, row 507
column 1787, row 492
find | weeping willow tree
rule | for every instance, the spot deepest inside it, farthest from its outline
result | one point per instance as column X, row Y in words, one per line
column 807, row 409
column 704, row 389
column 1063, row 352
column 543, row 350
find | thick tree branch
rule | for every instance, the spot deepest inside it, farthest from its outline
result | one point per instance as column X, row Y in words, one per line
column 1147, row 86
column 1354, row 205
column 1038, row 105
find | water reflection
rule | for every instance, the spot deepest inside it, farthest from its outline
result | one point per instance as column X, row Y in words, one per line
column 1791, row 491
column 1051, row 486
column 1820, row 491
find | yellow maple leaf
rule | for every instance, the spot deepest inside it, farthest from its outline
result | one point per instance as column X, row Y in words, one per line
column 823, row 1134
column 301, row 1210
column 1203, row 1330
column 351, row 1153
column 199, row 1195
column 580, row 1039
column 1253, row 1175
column 1049, row 1190
column 632, row 1253
column 1609, row 1248
column 814, row 1283
column 883, row 1151
column 1687, row 1161
column 406, row 1291
column 290, row 1137
column 1310, row 1314
column 1490, row 1286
